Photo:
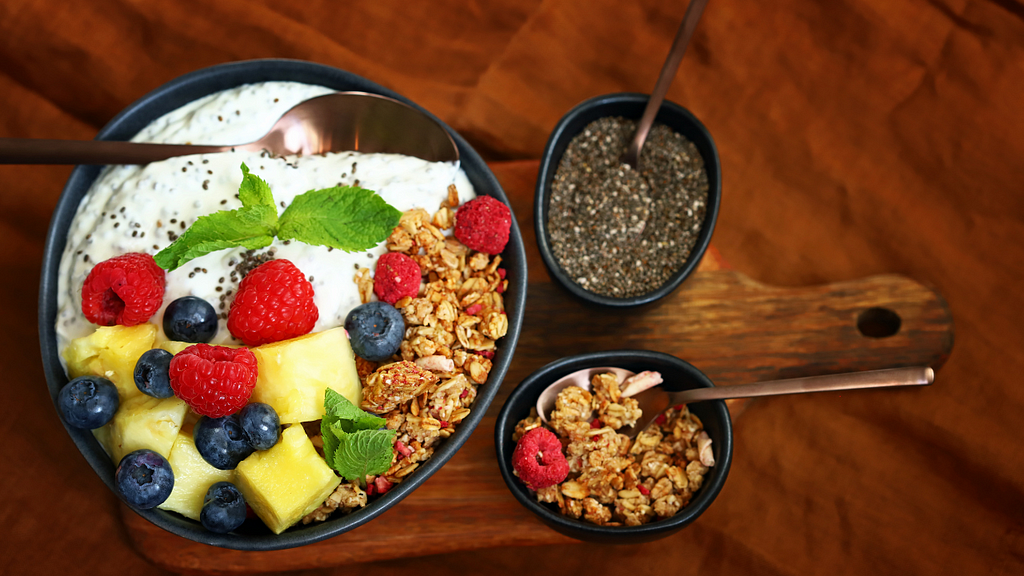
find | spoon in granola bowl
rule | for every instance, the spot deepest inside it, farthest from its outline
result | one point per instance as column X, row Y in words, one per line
column 654, row 400
column 338, row 122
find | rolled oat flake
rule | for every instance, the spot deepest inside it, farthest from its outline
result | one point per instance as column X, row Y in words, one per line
column 619, row 232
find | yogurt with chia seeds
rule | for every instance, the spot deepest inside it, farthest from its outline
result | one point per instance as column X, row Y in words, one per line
column 143, row 208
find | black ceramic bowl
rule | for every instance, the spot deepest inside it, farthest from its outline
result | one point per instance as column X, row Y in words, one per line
column 630, row 106
column 254, row 535
column 678, row 375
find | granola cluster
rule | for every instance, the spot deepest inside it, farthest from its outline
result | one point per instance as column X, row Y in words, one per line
column 612, row 480
column 428, row 388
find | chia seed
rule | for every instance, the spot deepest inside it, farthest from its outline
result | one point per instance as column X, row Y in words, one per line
column 618, row 232
column 250, row 260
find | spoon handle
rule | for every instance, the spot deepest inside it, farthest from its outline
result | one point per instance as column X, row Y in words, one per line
column 919, row 376
column 668, row 73
column 33, row 151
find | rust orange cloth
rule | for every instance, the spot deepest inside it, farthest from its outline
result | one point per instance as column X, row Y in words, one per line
column 856, row 138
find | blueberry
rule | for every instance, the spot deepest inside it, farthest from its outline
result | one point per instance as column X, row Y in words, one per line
column 144, row 479
column 221, row 441
column 375, row 330
column 260, row 424
column 151, row 375
column 223, row 508
column 190, row 319
column 88, row 402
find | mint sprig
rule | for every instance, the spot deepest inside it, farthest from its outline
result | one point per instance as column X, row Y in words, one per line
column 343, row 217
column 354, row 443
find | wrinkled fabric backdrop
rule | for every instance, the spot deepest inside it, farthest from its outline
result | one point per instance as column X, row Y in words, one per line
column 857, row 137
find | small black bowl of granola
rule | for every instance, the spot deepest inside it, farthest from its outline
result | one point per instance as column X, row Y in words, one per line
column 619, row 491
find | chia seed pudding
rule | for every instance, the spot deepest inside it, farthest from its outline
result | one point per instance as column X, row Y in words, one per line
column 620, row 232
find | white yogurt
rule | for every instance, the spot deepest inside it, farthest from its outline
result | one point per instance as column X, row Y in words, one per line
column 132, row 208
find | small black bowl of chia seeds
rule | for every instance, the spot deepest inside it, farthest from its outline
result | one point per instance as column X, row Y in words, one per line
column 616, row 236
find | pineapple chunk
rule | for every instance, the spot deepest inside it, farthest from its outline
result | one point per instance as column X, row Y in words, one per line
column 287, row 482
column 111, row 352
column 193, row 476
column 295, row 374
column 173, row 346
column 143, row 422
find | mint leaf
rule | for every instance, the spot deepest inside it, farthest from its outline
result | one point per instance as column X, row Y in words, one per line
column 342, row 217
column 363, row 453
column 254, row 191
column 354, row 444
column 250, row 228
column 330, row 440
column 339, row 408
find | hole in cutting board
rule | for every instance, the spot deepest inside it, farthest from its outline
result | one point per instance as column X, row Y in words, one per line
column 878, row 322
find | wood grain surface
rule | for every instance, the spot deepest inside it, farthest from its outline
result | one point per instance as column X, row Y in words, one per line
column 734, row 329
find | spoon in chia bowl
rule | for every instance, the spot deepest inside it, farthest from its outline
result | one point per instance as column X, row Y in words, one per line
column 342, row 121
column 654, row 400
column 668, row 73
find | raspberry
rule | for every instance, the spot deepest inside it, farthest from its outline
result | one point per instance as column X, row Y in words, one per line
column 274, row 302
column 125, row 290
column 483, row 224
column 538, row 459
column 397, row 276
column 214, row 380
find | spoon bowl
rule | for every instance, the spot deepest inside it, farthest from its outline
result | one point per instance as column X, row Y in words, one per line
column 338, row 122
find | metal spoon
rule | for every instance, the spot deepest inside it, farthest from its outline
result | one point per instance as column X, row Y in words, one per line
column 668, row 72
column 654, row 401
column 330, row 123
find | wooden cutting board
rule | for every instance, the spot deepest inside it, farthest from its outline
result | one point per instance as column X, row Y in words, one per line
column 734, row 329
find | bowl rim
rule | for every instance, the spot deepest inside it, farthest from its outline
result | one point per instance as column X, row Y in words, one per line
column 504, row 426
column 169, row 96
column 549, row 164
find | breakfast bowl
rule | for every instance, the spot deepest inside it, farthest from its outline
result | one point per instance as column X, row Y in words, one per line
column 629, row 106
column 253, row 534
column 677, row 375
